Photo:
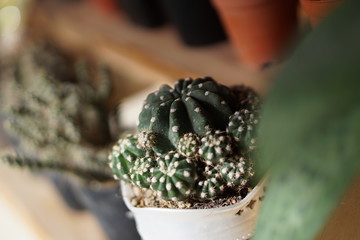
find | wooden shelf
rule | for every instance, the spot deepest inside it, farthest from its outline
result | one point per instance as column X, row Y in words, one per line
column 141, row 55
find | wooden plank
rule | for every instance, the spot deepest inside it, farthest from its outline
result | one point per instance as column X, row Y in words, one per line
column 142, row 55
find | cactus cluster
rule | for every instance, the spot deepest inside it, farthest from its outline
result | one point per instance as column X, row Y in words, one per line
column 193, row 141
column 56, row 109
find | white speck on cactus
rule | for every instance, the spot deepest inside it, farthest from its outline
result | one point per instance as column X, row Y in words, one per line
column 212, row 190
column 197, row 110
column 147, row 106
column 153, row 119
column 176, row 164
column 203, row 195
column 162, row 104
column 168, row 186
column 175, row 128
column 153, row 180
column 210, row 156
column 162, row 179
column 223, row 102
column 187, row 99
column 173, row 110
column 224, row 170
column 178, row 184
column 206, row 93
column 218, row 150
column 200, row 85
column 162, row 97
column 186, row 174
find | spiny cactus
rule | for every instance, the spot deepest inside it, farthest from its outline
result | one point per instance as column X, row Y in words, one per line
column 216, row 147
column 53, row 107
column 187, row 149
column 191, row 106
column 174, row 176
column 242, row 126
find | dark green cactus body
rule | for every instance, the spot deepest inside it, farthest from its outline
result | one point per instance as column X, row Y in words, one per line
column 141, row 172
column 123, row 157
column 174, row 177
column 246, row 97
column 189, row 145
column 236, row 172
column 242, row 126
column 191, row 106
column 216, row 147
column 211, row 185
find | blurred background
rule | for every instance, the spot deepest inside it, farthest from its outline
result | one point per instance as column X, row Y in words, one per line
column 81, row 68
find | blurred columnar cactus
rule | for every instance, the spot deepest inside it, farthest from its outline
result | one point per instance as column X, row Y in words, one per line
column 56, row 108
column 193, row 142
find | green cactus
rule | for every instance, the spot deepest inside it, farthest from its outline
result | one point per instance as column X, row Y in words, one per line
column 242, row 126
column 186, row 152
column 141, row 172
column 237, row 172
column 188, row 145
column 246, row 97
column 123, row 156
column 174, row 176
column 216, row 147
column 212, row 184
column 191, row 106
column 55, row 110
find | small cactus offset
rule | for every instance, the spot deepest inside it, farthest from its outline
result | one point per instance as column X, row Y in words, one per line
column 174, row 176
column 191, row 149
column 55, row 110
column 242, row 126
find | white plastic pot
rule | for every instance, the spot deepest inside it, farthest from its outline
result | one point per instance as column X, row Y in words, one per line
column 235, row 222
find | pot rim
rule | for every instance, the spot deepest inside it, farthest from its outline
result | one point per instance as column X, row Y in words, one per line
column 125, row 187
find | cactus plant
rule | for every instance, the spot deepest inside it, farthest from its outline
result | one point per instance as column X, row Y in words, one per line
column 59, row 116
column 184, row 149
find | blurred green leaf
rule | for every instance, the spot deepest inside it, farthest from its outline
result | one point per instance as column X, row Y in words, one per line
column 310, row 131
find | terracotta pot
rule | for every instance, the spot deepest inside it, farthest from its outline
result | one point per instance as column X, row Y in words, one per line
column 260, row 30
column 317, row 10
column 107, row 6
